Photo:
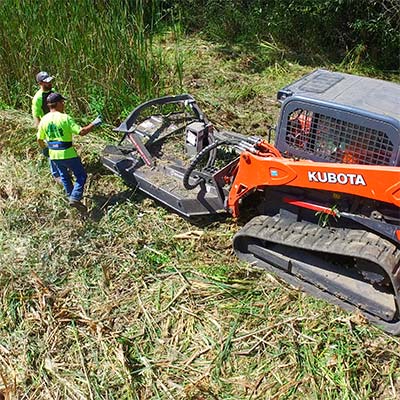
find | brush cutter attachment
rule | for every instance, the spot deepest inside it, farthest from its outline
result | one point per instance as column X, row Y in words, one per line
column 168, row 150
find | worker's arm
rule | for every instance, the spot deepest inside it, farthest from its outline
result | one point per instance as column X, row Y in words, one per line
column 40, row 136
column 42, row 143
column 43, row 147
column 86, row 129
column 37, row 112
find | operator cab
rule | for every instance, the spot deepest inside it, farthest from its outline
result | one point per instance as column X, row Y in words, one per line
column 341, row 118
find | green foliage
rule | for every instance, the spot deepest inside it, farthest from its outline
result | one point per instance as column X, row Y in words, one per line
column 103, row 54
column 107, row 56
column 308, row 29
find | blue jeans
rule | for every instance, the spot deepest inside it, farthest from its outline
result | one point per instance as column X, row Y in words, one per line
column 54, row 169
column 74, row 192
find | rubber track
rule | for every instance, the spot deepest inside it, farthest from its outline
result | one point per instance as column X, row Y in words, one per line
column 358, row 244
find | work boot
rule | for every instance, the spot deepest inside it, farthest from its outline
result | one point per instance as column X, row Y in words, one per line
column 78, row 205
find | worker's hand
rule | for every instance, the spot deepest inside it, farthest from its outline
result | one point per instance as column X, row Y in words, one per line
column 45, row 152
column 98, row 121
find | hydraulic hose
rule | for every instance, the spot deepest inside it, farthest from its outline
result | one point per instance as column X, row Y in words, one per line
column 208, row 149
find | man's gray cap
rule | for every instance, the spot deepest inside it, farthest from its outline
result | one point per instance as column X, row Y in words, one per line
column 43, row 76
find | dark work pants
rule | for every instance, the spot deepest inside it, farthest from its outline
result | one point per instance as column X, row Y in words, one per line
column 74, row 191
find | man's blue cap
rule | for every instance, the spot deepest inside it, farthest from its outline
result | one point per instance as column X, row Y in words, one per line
column 54, row 98
column 44, row 76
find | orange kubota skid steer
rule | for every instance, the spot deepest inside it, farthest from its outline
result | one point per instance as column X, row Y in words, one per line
column 327, row 193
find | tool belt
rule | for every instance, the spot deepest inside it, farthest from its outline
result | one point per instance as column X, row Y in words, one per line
column 59, row 145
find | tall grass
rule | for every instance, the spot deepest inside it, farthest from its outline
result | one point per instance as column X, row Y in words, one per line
column 101, row 52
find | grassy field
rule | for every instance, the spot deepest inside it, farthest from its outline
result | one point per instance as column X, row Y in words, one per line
column 135, row 302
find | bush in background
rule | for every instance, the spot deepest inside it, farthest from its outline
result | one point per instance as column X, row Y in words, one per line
column 361, row 31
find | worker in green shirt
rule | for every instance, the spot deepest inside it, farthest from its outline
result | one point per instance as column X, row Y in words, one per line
column 40, row 108
column 55, row 132
column 39, row 101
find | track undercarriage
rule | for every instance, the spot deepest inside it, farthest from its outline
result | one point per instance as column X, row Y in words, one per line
column 354, row 269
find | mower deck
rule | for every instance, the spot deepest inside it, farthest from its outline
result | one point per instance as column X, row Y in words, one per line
column 163, row 181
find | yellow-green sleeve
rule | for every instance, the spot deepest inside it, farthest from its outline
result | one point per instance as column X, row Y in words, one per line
column 73, row 127
column 37, row 111
column 41, row 133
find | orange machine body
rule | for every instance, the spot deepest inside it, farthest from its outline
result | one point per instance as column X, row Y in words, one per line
column 269, row 168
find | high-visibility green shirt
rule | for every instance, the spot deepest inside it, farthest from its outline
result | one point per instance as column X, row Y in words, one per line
column 58, row 127
column 39, row 105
